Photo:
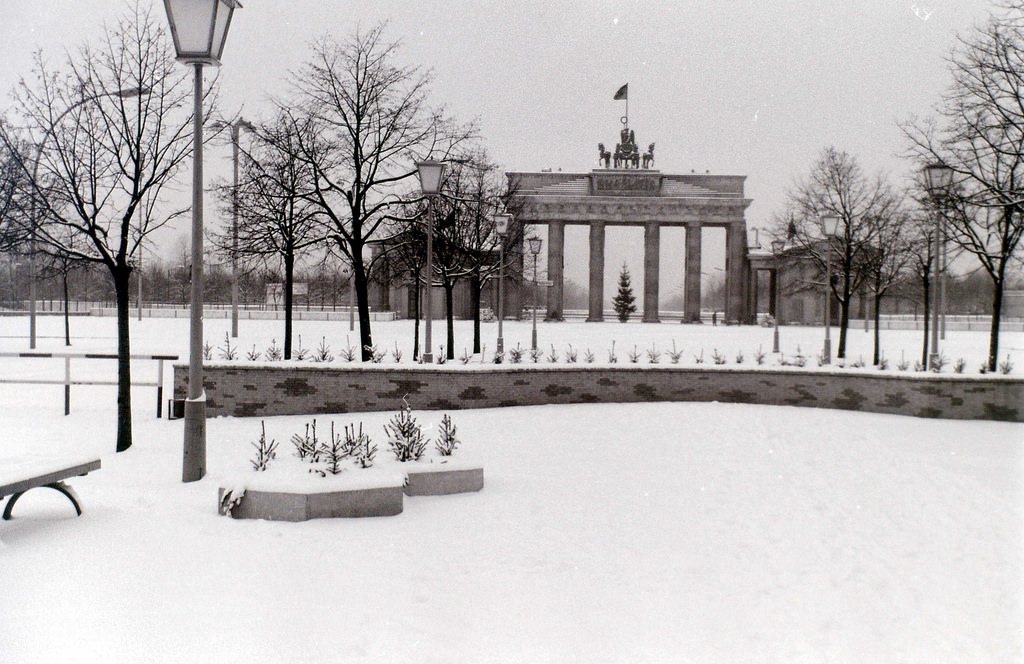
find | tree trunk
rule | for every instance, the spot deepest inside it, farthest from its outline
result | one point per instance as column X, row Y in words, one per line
column 844, row 323
column 878, row 334
column 474, row 295
column 362, row 303
column 997, row 309
column 122, row 288
column 449, row 300
column 416, row 316
column 289, row 280
column 67, row 314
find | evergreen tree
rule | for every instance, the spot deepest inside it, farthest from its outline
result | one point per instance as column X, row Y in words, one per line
column 623, row 301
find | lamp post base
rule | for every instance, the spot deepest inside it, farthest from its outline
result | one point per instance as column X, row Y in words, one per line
column 194, row 461
column 500, row 346
column 933, row 361
column 427, row 358
column 826, row 352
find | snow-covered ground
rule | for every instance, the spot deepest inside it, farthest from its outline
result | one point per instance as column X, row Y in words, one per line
column 605, row 533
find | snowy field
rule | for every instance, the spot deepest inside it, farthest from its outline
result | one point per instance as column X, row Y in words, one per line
column 605, row 533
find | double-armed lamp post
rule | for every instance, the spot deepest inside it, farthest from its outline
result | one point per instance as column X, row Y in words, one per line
column 937, row 180
column 501, row 224
column 830, row 227
column 431, row 172
column 199, row 28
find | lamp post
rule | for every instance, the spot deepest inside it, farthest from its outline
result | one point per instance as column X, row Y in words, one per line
column 937, row 179
column 125, row 93
column 199, row 28
column 501, row 224
column 534, row 243
column 236, row 129
column 777, row 247
column 830, row 226
column 430, row 172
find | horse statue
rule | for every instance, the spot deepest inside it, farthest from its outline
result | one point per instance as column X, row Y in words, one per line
column 649, row 156
column 604, row 157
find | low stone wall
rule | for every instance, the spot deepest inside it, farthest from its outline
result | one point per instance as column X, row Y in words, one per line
column 297, row 389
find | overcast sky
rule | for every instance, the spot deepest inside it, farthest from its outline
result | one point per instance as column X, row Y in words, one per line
column 741, row 87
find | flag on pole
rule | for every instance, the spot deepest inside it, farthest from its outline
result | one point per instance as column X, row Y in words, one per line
column 623, row 92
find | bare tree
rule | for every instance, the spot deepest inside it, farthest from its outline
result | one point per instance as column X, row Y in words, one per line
column 276, row 222
column 364, row 123
column 979, row 134
column 887, row 262
column 837, row 186
column 110, row 132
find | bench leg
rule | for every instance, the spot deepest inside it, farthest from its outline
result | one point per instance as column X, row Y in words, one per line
column 56, row 486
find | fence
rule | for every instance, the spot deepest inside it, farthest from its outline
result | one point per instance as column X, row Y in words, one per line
column 67, row 381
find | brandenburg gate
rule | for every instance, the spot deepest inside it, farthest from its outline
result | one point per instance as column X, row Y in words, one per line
column 649, row 199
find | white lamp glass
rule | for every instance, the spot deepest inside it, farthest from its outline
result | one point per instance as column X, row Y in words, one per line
column 501, row 223
column 200, row 28
column 430, row 172
column 778, row 246
column 937, row 178
column 534, row 243
column 830, row 224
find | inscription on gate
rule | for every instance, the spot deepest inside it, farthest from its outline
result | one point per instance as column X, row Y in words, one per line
column 622, row 184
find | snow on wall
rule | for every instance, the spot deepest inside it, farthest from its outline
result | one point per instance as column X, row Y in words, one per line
column 243, row 390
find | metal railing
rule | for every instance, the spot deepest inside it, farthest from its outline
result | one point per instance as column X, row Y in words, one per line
column 67, row 381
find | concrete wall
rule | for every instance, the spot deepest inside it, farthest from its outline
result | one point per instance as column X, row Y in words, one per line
column 294, row 388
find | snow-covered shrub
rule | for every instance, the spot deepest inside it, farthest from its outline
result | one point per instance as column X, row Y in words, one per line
column 717, row 357
column 918, row 366
column 799, row 359
column 674, row 355
column 323, row 352
column 1006, row 366
column 571, row 355
column 405, row 435
column 634, row 355
column 515, row 355
column 499, row 357
column 300, row 352
column 759, row 356
column 396, row 354
column 553, row 355
column 903, row 364
column 612, row 357
column 253, row 355
column 333, row 452
column 376, row 354
column 535, row 355
column 588, row 356
column 938, row 362
column 858, row 363
column 307, row 447
column 983, row 369
column 699, row 359
column 265, row 451
column 883, row 362
column 359, row 446
column 958, row 366
column 227, row 351
column 465, row 357
column 653, row 354
column 739, row 357
column 446, row 441
column 207, row 351
column 348, row 353
column 273, row 352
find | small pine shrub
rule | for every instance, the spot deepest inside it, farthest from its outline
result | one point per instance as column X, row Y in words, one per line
column 405, row 435
column 300, row 352
column 653, row 355
column 759, row 356
column 376, row 354
column 699, row 359
column 442, row 357
column 207, row 351
column 858, row 363
column 359, row 446
column 918, row 366
column 227, row 351
column 553, row 355
column 499, row 357
column 253, row 355
column 883, row 363
column 323, row 352
column 265, row 451
column 515, row 355
column 938, row 363
column 739, row 357
column 612, row 357
column 273, row 352
column 717, row 357
column 903, row 364
column 307, row 447
column 983, row 369
column 446, row 441
column 1006, row 366
column 674, row 355
column 799, row 359
column 535, row 355
column 464, row 358
column 588, row 356
column 333, row 452
column 396, row 354
column 571, row 355
column 958, row 366
column 634, row 355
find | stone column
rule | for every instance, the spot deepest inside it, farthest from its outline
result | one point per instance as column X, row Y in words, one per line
column 652, row 248
column 735, row 246
column 691, row 298
column 596, row 271
column 556, row 269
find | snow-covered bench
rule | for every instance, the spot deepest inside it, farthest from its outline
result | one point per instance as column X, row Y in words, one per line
column 19, row 475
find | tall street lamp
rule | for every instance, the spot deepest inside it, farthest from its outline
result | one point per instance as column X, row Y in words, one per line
column 830, row 226
column 236, row 129
column 777, row 248
column 199, row 28
column 126, row 93
column 430, row 172
column 937, row 179
column 501, row 224
column 534, row 243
